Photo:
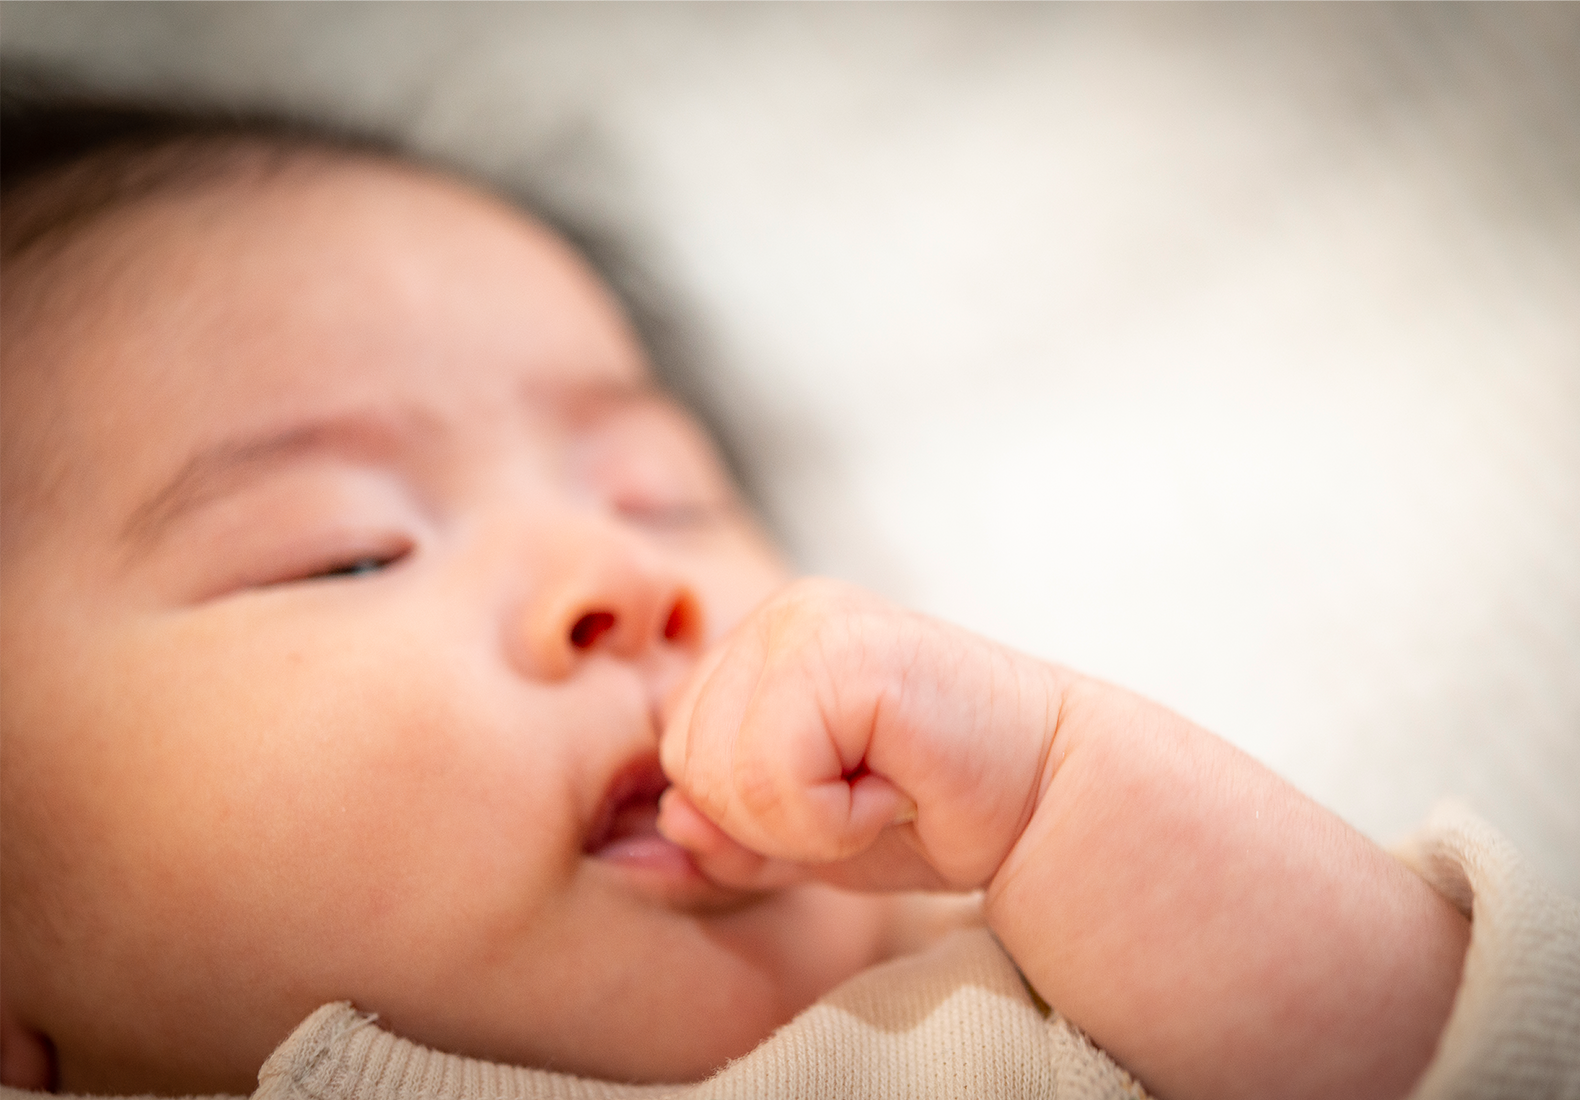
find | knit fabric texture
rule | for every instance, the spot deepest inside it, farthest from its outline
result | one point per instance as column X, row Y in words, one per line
column 1515, row 1028
column 954, row 1021
column 957, row 1020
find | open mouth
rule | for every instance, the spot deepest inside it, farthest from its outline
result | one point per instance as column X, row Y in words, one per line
column 626, row 829
column 625, row 835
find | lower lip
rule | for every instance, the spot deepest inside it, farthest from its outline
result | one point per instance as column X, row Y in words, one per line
column 650, row 852
column 666, row 872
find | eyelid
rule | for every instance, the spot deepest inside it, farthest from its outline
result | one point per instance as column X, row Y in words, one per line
column 651, row 465
column 312, row 562
column 350, row 566
column 365, row 436
column 302, row 521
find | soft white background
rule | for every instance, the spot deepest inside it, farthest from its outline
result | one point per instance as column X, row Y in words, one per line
column 1230, row 353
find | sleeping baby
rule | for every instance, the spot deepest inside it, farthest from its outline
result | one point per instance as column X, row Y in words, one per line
column 399, row 700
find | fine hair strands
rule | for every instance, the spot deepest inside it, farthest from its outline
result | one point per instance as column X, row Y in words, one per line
column 69, row 155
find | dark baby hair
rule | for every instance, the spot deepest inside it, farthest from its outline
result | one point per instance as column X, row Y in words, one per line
column 68, row 156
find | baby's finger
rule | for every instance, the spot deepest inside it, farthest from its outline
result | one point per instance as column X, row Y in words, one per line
column 674, row 748
column 717, row 856
column 697, row 755
column 893, row 862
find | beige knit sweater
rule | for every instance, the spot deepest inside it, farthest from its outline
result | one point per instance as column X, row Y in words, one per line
column 957, row 1021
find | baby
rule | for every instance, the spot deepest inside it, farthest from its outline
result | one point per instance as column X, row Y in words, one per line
column 376, row 629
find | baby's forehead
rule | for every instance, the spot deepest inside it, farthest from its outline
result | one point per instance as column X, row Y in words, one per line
column 343, row 280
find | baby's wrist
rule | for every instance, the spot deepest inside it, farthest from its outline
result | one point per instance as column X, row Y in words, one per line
column 1208, row 924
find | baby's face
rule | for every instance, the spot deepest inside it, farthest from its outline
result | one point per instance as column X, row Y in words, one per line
column 349, row 556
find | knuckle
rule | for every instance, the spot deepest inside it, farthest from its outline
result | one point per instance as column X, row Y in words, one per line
column 760, row 797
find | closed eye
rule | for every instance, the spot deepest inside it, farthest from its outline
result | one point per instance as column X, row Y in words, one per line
column 363, row 565
column 360, row 567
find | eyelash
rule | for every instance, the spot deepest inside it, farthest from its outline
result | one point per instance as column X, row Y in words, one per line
column 360, row 566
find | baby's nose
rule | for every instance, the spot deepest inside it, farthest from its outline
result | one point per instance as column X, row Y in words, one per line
column 622, row 611
column 601, row 627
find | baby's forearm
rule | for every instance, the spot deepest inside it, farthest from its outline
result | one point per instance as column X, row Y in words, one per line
column 1217, row 932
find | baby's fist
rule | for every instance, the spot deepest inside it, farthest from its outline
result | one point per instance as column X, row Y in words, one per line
column 834, row 735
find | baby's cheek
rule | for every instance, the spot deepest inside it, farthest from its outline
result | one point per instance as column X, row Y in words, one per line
column 734, row 581
column 265, row 797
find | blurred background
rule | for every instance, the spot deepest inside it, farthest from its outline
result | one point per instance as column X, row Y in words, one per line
column 1231, row 353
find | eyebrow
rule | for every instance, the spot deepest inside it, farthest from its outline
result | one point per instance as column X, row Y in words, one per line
column 587, row 400
column 220, row 467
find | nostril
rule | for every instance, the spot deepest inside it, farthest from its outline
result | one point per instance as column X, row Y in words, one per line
column 590, row 627
column 684, row 622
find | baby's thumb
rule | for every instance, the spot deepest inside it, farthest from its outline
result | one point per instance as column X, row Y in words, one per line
column 716, row 854
column 891, row 863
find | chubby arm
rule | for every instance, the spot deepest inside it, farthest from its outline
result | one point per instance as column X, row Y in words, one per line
column 1217, row 932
